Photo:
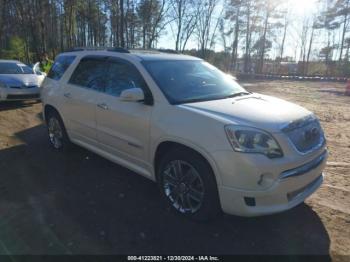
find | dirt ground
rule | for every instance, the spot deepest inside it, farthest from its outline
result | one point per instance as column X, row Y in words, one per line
column 80, row 203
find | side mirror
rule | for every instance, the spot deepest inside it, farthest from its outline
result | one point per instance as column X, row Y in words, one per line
column 132, row 95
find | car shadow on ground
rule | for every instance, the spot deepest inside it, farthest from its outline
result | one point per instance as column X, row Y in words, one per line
column 80, row 203
column 11, row 105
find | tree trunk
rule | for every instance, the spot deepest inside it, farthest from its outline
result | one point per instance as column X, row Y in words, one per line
column 262, row 53
column 283, row 43
column 179, row 29
column 309, row 51
column 247, row 44
column 344, row 32
column 121, row 30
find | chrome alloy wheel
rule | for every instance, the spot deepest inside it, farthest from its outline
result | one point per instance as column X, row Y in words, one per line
column 183, row 186
column 55, row 133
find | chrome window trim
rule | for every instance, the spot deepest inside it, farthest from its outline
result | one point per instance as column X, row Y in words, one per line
column 299, row 123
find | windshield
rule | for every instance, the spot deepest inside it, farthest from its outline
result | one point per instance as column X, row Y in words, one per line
column 185, row 81
column 15, row 68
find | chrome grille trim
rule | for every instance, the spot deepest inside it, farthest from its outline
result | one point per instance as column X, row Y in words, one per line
column 298, row 123
column 19, row 97
column 24, row 87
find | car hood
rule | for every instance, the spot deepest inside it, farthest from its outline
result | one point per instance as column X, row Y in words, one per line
column 255, row 110
column 19, row 79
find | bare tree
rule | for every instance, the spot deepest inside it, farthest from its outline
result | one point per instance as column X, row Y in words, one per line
column 185, row 14
column 343, row 11
column 251, row 31
column 152, row 14
column 205, row 24
column 121, row 23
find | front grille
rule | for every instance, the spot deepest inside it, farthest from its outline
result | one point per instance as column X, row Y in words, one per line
column 23, row 87
column 15, row 97
column 305, row 134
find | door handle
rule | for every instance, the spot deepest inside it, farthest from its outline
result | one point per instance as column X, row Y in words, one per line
column 68, row 95
column 103, row 106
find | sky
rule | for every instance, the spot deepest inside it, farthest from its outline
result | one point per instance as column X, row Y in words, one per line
column 300, row 10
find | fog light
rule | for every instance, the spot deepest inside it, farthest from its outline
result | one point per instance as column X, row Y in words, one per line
column 265, row 180
column 249, row 201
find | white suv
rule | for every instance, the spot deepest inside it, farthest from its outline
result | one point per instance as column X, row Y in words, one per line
column 178, row 120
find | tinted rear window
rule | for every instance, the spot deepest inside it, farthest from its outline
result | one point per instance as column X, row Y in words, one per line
column 90, row 73
column 60, row 66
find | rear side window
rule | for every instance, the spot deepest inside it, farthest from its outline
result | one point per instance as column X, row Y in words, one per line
column 90, row 73
column 60, row 66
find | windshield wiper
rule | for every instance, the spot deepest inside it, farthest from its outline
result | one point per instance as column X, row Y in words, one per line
column 196, row 100
column 238, row 94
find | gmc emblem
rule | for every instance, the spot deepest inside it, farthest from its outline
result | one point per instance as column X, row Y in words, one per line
column 311, row 134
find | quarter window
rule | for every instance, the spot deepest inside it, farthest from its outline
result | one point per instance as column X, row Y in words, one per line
column 60, row 66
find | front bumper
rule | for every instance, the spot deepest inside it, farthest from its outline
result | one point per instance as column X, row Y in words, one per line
column 282, row 188
column 12, row 94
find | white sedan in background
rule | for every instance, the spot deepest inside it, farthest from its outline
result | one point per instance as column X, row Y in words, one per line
column 18, row 81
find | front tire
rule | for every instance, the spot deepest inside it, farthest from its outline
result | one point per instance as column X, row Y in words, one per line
column 58, row 137
column 188, row 185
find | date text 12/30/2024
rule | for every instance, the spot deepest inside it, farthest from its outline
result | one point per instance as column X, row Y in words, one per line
column 173, row 258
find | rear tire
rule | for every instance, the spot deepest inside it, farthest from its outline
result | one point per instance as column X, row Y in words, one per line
column 57, row 134
column 188, row 185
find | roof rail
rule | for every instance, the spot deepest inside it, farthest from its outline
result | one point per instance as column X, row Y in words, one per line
column 170, row 51
column 118, row 49
column 154, row 50
column 92, row 48
column 85, row 48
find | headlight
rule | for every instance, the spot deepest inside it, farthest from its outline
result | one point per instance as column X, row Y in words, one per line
column 2, row 85
column 251, row 140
